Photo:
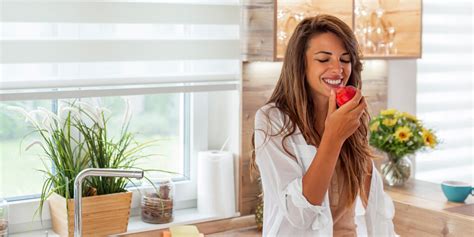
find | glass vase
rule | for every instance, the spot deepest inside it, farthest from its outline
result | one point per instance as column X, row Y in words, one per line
column 396, row 170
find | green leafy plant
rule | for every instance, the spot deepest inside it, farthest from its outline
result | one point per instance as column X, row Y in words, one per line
column 64, row 156
column 78, row 139
column 104, row 151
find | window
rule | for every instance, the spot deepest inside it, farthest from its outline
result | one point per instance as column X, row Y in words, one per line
column 160, row 117
column 13, row 130
column 445, row 90
column 175, row 61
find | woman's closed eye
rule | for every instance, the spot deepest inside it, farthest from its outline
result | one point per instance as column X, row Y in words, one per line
column 323, row 60
column 345, row 60
column 327, row 60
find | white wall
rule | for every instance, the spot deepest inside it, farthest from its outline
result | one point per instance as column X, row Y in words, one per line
column 402, row 85
column 401, row 94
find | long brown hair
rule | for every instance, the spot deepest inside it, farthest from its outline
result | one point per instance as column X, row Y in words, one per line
column 292, row 96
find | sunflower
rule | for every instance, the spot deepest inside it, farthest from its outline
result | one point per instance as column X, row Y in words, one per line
column 388, row 112
column 389, row 122
column 374, row 126
column 429, row 138
column 403, row 134
column 410, row 117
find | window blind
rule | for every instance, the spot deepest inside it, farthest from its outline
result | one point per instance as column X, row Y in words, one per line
column 74, row 48
column 445, row 90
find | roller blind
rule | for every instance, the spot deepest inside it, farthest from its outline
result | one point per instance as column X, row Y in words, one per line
column 73, row 48
column 445, row 90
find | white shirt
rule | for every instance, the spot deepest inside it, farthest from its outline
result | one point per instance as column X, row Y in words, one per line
column 286, row 211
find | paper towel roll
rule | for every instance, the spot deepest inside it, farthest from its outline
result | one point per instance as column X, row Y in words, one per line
column 215, row 183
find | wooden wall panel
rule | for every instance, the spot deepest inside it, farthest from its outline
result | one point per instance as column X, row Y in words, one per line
column 375, row 91
column 259, row 79
column 257, row 29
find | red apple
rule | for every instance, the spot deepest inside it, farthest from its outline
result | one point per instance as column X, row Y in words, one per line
column 344, row 94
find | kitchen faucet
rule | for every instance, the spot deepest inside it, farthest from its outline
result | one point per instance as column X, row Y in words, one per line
column 138, row 174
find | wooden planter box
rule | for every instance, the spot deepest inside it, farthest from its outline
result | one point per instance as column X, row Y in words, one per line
column 101, row 215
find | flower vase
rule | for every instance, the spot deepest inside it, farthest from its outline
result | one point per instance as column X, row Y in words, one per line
column 396, row 170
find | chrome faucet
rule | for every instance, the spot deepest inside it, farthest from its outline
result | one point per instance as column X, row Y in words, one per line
column 138, row 174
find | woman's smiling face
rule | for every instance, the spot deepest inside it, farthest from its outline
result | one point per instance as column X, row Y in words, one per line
column 328, row 64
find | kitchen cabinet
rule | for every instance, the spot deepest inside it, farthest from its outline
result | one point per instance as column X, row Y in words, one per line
column 385, row 29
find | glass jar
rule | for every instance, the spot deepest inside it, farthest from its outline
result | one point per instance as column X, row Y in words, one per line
column 3, row 218
column 157, row 202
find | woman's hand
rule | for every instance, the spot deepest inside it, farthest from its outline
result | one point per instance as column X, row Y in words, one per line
column 339, row 125
column 343, row 122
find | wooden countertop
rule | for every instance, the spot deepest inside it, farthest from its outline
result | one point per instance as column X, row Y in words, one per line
column 420, row 210
column 424, row 194
column 238, row 226
column 242, row 232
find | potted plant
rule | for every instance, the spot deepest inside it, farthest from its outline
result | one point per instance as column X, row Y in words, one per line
column 399, row 134
column 77, row 139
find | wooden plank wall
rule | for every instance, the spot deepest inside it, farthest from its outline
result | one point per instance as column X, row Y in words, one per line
column 257, row 29
column 259, row 79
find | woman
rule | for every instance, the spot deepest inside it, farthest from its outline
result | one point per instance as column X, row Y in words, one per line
column 314, row 160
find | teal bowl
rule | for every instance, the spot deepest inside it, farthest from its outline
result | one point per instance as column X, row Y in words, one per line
column 456, row 191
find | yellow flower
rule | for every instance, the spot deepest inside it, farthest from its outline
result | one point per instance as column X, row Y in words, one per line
column 429, row 138
column 403, row 134
column 388, row 112
column 389, row 122
column 410, row 116
column 374, row 126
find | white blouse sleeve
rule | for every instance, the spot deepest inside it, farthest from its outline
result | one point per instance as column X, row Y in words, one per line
column 282, row 176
